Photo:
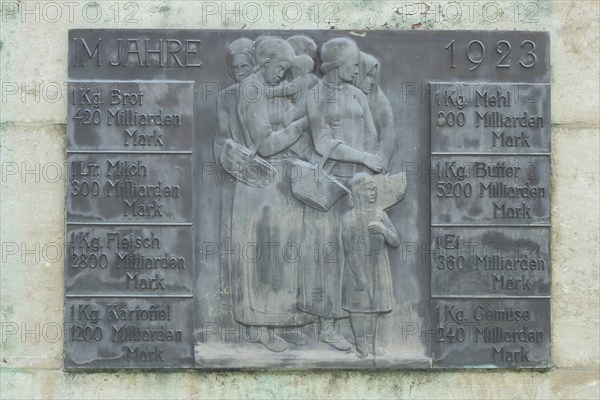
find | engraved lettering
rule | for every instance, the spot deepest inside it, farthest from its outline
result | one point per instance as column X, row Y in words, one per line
column 119, row 241
column 126, row 168
column 500, row 282
column 132, row 137
column 511, row 212
column 136, row 209
column 134, row 260
column 502, row 190
column 516, row 356
column 138, row 355
column 502, row 140
column 154, row 53
column 507, row 314
column 130, row 116
column 499, row 99
column 133, row 333
column 135, row 281
column 130, row 188
column 495, row 119
column 499, row 170
column 117, row 97
column 90, row 53
column 155, row 312
column 495, row 334
column 501, row 263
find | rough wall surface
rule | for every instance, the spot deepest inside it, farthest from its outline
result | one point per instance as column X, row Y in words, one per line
column 33, row 54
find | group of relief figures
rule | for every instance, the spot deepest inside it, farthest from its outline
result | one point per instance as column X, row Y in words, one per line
column 341, row 122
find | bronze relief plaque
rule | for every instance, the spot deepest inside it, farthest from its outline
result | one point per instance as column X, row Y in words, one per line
column 308, row 199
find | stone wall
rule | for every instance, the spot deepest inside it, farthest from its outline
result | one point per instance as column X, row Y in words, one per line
column 33, row 54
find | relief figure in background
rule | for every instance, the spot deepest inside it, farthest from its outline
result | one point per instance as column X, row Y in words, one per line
column 367, row 279
column 367, row 80
column 240, row 64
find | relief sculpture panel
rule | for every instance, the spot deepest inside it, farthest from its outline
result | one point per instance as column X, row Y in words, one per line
column 306, row 199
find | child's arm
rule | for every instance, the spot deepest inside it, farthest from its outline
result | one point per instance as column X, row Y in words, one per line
column 385, row 228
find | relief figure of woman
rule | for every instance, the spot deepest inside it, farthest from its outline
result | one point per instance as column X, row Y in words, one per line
column 266, row 221
column 240, row 63
column 340, row 125
column 367, row 80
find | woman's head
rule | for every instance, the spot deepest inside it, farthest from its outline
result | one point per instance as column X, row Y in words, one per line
column 274, row 56
column 341, row 54
column 303, row 65
column 240, row 59
column 303, row 45
column 368, row 73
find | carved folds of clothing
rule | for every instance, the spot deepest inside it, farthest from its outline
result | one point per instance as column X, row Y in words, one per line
column 368, row 253
column 264, row 277
column 344, row 118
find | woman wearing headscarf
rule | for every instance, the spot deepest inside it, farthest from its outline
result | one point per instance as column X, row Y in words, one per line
column 303, row 45
column 266, row 220
column 367, row 80
column 341, row 126
column 240, row 64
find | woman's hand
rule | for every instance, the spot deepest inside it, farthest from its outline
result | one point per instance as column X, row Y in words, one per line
column 373, row 162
